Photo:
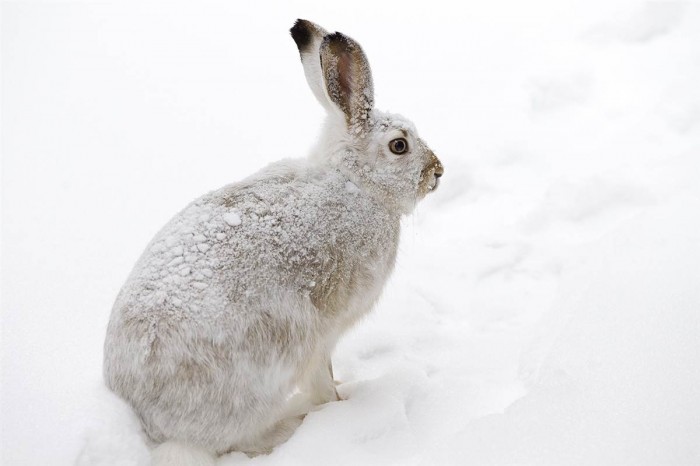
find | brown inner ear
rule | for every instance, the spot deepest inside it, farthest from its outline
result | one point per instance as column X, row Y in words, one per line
column 348, row 79
column 345, row 75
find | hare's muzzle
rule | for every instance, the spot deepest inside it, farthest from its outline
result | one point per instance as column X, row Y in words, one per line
column 437, row 170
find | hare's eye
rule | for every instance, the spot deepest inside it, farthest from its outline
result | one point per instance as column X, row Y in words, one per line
column 398, row 146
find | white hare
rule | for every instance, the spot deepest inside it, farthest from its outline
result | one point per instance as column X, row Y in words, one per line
column 240, row 299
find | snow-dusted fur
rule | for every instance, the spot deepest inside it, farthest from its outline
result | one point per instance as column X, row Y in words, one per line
column 240, row 299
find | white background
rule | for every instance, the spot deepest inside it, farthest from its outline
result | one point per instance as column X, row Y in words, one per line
column 545, row 305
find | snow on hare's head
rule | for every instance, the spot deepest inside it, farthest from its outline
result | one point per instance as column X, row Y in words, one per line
column 379, row 151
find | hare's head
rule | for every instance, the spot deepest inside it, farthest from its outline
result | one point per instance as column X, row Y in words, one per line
column 380, row 151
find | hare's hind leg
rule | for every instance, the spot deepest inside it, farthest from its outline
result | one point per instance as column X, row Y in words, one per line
column 272, row 437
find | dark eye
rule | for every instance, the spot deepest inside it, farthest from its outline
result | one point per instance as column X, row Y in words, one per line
column 398, row 146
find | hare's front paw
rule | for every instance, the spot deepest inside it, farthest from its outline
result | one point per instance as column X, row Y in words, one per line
column 321, row 386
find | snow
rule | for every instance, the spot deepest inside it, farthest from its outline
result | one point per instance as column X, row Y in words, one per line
column 232, row 218
column 617, row 386
column 544, row 307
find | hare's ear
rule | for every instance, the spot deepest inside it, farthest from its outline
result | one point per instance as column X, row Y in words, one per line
column 348, row 79
column 308, row 37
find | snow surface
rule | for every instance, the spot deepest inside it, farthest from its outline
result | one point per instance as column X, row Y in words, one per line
column 545, row 305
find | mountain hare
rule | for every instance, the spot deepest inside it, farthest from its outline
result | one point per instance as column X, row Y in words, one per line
column 240, row 299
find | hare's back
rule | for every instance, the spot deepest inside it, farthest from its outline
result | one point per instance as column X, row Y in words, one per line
column 284, row 232
column 290, row 231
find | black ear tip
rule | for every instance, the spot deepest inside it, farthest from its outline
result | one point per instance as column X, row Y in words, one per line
column 301, row 33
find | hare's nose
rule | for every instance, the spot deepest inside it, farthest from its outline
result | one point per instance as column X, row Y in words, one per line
column 438, row 174
column 438, row 169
